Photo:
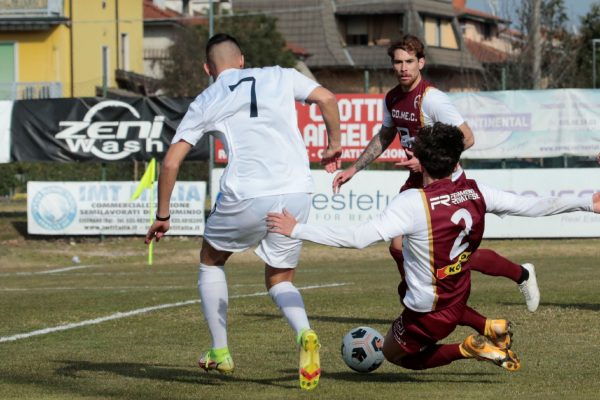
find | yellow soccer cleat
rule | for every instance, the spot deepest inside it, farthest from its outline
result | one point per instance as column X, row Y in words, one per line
column 499, row 331
column 217, row 360
column 481, row 348
column 310, row 364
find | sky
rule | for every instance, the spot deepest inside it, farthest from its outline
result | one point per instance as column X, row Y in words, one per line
column 575, row 8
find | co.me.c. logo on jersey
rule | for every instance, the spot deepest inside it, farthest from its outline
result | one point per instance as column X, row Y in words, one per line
column 112, row 140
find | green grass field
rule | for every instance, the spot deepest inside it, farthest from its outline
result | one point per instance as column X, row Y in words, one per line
column 152, row 353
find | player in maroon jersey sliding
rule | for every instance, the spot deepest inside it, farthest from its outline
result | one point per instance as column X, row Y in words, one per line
column 412, row 104
column 442, row 225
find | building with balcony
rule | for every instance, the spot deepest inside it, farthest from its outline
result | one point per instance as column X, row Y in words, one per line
column 348, row 40
column 67, row 48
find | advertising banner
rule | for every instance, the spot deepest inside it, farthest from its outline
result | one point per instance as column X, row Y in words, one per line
column 506, row 124
column 5, row 113
column 92, row 129
column 93, row 208
column 532, row 123
column 369, row 192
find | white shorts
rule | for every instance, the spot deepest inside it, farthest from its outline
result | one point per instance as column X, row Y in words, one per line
column 237, row 225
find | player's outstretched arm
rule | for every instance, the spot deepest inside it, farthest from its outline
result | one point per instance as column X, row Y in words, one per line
column 166, row 181
column 469, row 139
column 376, row 146
column 596, row 202
column 328, row 105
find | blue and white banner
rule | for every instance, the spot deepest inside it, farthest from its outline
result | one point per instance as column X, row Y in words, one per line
column 93, row 208
column 369, row 192
column 532, row 123
column 5, row 117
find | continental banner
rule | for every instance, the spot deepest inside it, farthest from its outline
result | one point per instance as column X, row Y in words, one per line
column 100, row 130
column 93, row 208
column 506, row 124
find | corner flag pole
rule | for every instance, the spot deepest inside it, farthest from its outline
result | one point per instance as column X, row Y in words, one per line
column 147, row 182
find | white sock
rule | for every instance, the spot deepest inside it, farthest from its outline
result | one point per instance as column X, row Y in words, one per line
column 214, row 298
column 288, row 299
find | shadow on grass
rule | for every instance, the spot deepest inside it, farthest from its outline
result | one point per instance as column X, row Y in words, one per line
column 167, row 373
column 404, row 375
column 325, row 318
column 578, row 306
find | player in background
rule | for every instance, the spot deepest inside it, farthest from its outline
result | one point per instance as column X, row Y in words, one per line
column 442, row 225
column 252, row 111
column 412, row 104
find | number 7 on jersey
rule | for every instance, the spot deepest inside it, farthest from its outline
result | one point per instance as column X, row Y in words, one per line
column 253, row 105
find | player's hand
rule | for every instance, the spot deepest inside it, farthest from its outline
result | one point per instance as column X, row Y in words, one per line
column 411, row 163
column 598, row 158
column 596, row 202
column 342, row 177
column 283, row 223
column 331, row 159
column 157, row 231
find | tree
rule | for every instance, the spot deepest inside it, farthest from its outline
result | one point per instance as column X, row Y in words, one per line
column 590, row 29
column 259, row 39
column 557, row 48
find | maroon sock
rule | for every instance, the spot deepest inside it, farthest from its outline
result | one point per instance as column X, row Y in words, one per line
column 434, row 356
column 489, row 262
column 473, row 319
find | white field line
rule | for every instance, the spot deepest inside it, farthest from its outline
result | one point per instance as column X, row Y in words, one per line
column 139, row 311
column 50, row 271
column 100, row 288
column 96, row 288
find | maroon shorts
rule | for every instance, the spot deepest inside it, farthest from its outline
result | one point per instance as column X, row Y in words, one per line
column 414, row 331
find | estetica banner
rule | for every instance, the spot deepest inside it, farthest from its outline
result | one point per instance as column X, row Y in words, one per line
column 369, row 192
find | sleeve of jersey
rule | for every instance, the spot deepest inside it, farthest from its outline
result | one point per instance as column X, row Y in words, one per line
column 395, row 220
column 504, row 203
column 387, row 117
column 437, row 105
column 303, row 86
column 192, row 126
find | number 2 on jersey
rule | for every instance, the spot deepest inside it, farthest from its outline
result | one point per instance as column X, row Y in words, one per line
column 459, row 246
column 253, row 105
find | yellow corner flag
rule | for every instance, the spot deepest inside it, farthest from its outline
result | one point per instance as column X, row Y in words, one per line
column 147, row 182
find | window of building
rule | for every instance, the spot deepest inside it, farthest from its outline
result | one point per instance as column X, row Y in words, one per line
column 439, row 32
column 8, row 70
column 124, row 56
column 487, row 31
column 357, row 31
column 105, row 67
column 371, row 30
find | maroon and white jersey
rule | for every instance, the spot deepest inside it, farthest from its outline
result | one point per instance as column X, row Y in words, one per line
column 410, row 111
column 441, row 226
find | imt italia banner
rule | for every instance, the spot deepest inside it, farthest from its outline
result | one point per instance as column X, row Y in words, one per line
column 93, row 208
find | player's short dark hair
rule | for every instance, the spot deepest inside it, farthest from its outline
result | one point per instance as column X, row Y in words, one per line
column 408, row 43
column 438, row 147
column 218, row 38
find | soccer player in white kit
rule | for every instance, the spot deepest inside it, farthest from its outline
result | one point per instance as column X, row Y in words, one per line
column 252, row 111
column 442, row 225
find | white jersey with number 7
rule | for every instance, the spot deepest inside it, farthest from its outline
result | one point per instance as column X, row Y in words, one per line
column 252, row 111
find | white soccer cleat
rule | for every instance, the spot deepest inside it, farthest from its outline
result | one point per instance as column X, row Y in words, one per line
column 530, row 289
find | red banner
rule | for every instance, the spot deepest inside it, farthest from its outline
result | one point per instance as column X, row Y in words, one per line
column 360, row 120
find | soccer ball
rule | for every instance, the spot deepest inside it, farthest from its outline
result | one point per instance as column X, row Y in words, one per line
column 362, row 349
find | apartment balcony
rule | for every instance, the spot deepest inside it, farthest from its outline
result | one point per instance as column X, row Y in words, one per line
column 30, row 90
column 31, row 15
